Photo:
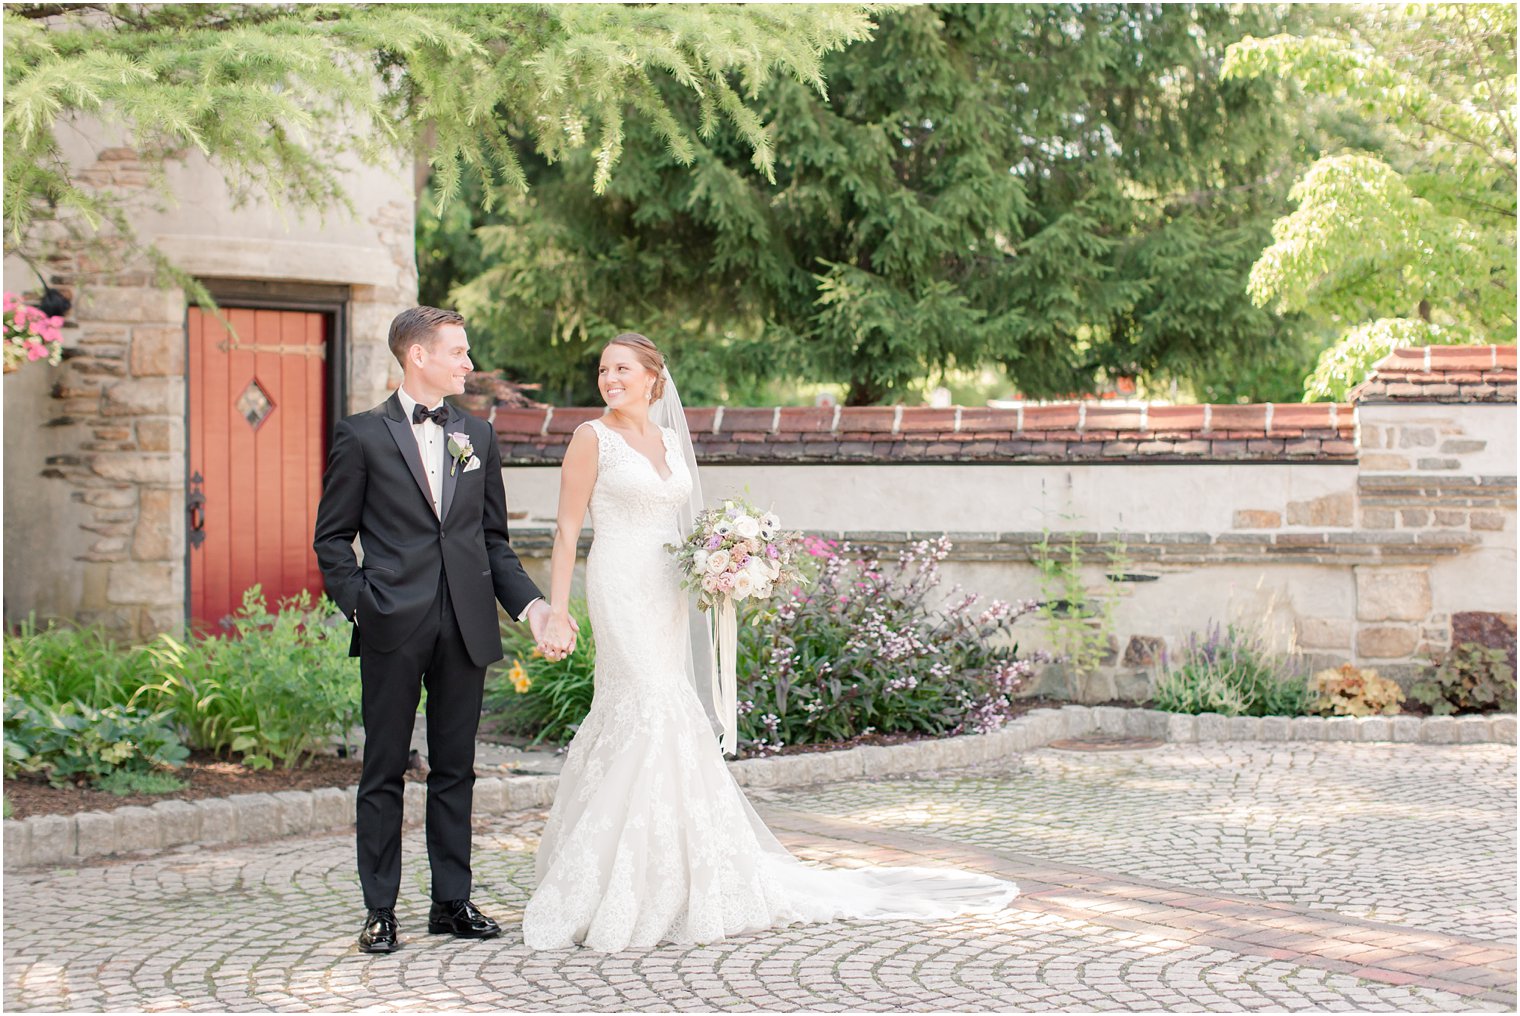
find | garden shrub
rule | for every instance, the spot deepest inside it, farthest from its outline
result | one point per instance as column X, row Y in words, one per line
column 1230, row 672
column 1471, row 678
column 530, row 696
column 277, row 688
column 74, row 743
column 858, row 651
column 61, row 663
column 1354, row 691
column 861, row 650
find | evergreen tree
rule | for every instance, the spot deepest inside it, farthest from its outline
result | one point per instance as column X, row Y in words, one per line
column 1069, row 191
column 270, row 93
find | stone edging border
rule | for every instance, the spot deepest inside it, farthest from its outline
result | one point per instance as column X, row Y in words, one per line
column 53, row 840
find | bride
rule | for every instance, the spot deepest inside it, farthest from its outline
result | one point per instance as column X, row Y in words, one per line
column 650, row 840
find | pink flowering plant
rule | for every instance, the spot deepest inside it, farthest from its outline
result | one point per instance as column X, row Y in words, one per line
column 870, row 649
column 738, row 551
column 30, row 335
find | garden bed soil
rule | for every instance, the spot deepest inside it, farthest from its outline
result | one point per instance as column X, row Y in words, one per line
column 206, row 775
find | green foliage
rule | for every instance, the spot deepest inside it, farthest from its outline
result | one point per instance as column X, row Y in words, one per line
column 1472, row 678
column 61, row 663
column 126, row 782
column 1345, row 364
column 1354, row 691
column 1065, row 192
column 279, row 97
column 75, row 743
column 861, row 650
column 1232, row 673
column 278, row 687
column 531, row 695
column 1415, row 219
column 1078, row 623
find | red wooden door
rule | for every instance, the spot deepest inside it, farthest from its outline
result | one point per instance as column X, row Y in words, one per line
column 257, row 438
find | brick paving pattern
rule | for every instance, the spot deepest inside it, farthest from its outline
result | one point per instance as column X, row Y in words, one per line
column 1191, row 877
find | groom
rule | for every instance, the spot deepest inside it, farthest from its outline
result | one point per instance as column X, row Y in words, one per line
column 419, row 482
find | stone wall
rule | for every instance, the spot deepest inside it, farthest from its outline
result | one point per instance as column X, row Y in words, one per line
column 95, row 490
column 1368, row 531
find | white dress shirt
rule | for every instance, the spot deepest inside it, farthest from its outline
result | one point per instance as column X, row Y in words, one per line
column 432, row 444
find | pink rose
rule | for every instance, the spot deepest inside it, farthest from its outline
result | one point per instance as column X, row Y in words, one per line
column 35, row 350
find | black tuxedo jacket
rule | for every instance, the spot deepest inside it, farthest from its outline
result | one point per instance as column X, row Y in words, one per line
column 374, row 487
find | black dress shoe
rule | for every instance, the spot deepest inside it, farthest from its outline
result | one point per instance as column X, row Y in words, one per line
column 379, row 934
column 461, row 919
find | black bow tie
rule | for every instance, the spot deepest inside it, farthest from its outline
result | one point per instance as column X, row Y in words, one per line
column 439, row 416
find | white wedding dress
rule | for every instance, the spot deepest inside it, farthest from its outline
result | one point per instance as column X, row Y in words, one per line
column 650, row 840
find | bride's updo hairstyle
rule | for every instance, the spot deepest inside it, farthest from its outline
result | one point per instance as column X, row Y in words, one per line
column 648, row 355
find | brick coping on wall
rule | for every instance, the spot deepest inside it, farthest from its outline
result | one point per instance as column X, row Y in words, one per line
column 1054, row 433
column 1442, row 374
column 247, row 818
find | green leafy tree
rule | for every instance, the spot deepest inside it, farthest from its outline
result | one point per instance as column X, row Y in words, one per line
column 1069, row 192
column 270, row 94
column 1409, row 237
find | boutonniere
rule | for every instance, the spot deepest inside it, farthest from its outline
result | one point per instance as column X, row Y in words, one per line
column 460, row 449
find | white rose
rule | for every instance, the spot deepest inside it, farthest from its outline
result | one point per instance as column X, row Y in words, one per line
column 699, row 561
column 756, row 566
column 763, row 589
column 743, row 585
column 747, row 527
column 710, row 583
column 716, row 562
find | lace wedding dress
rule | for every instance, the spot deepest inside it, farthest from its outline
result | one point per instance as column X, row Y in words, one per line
column 650, row 840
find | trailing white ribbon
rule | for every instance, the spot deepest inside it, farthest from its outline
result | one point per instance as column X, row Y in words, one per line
column 725, row 675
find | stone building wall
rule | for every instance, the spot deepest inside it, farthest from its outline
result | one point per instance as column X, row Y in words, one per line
column 1375, row 531
column 95, row 525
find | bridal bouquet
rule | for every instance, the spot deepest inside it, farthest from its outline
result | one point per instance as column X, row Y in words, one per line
column 735, row 552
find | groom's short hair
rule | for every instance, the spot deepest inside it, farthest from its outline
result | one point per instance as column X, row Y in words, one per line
column 419, row 326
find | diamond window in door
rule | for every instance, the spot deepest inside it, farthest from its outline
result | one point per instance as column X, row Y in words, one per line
column 255, row 404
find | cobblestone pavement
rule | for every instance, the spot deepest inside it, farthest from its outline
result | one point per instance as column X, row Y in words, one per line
column 1190, row 877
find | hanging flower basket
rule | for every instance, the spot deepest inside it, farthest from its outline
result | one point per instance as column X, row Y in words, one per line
column 30, row 335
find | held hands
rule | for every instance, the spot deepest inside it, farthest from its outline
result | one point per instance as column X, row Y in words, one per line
column 554, row 631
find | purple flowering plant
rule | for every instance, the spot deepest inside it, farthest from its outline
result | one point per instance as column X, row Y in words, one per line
column 1229, row 670
column 868, row 648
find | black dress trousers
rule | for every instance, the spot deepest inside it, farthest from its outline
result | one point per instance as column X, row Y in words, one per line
column 434, row 655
